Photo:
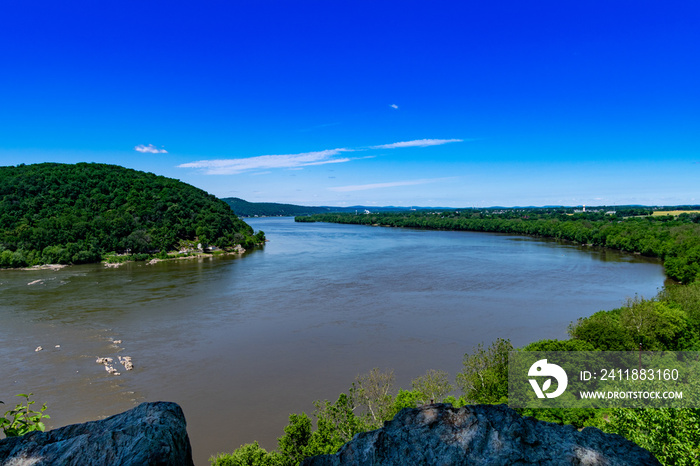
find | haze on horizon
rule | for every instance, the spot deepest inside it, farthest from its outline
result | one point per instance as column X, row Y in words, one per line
column 451, row 104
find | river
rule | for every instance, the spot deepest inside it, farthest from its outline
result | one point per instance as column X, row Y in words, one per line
column 242, row 342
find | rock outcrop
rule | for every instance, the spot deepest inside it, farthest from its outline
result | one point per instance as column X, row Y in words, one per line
column 482, row 435
column 150, row 434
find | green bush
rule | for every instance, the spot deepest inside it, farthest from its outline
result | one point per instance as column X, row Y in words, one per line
column 21, row 419
column 250, row 454
column 672, row 435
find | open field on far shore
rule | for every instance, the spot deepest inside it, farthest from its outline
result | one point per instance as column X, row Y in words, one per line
column 658, row 213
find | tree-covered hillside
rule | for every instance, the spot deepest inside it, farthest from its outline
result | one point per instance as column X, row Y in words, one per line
column 61, row 213
column 271, row 209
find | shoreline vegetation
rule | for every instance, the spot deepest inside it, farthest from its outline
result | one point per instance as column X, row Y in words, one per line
column 82, row 213
column 117, row 260
column 668, row 321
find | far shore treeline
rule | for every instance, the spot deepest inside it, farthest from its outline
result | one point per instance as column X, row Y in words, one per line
column 673, row 238
column 54, row 213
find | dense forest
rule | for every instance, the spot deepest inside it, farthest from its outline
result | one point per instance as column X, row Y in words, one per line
column 72, row 214
column 673, row 238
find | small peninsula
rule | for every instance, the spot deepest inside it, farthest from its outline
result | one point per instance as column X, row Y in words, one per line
column 53, row 213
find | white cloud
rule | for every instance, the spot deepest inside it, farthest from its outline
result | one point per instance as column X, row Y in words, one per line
column 150, row 149
column 264, row 162
column 394, row 106
column 290, row 161
column 392, row 184
column 417, row 143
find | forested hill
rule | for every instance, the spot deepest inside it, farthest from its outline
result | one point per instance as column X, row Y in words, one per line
column 271, row 209
column 62, row 213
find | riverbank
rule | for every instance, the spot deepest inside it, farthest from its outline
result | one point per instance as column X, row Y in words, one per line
column 118, row 260
column 44, row 267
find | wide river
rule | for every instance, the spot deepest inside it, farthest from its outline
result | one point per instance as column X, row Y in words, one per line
column 240, row 343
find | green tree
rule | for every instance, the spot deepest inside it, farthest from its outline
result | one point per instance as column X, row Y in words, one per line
column 559, row 345
column 337, row 422
column 484, row 377
column 672, row 435
column 433, row 386
column 604, row 332
column 405, row 399
column 294, row 443
column 373, row 392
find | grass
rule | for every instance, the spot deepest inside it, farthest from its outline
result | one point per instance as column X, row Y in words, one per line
column 660, row 213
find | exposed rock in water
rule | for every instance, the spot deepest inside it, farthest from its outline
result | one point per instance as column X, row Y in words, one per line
column 482, row 435
column 151, row 433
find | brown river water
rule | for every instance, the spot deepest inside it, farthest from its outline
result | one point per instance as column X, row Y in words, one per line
column 242, row 342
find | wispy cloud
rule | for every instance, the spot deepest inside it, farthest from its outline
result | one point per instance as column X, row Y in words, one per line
column 290, row 161
column 391, row 184
column 394, row 106
column 417, row 143
column 264, row 162
column 150, row 149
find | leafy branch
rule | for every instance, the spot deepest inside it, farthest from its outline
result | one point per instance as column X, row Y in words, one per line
column 21, row 419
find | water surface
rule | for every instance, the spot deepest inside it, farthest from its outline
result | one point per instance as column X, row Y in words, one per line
column 240, row 343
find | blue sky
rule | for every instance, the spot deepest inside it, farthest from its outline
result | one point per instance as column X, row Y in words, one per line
column 440, row 103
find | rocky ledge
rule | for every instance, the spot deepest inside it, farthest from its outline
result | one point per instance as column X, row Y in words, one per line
column 151, row 433
column 482, row 435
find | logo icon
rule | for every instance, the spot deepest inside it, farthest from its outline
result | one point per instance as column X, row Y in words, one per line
column 543, row 369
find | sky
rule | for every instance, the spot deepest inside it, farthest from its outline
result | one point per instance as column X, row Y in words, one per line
column 440, row 103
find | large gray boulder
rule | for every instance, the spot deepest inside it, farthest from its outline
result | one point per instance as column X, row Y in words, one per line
column 482, row 435
column 150, row 434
